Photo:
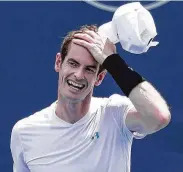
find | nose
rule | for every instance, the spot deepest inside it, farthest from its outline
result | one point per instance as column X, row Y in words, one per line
column 79, row 74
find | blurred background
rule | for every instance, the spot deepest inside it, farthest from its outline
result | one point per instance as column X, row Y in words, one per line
column 30, row 37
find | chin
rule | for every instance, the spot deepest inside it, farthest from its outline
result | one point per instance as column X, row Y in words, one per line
column 72, row 98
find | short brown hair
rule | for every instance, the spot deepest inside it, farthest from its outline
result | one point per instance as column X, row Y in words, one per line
column 70, row 36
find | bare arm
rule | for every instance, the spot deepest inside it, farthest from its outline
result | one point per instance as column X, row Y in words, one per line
column 151, row 112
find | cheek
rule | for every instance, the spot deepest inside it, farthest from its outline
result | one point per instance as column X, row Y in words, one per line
column 64, row 71
column 62, row 75
column 92, row 79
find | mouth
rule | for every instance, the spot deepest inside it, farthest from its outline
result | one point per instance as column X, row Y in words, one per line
column 74, row 85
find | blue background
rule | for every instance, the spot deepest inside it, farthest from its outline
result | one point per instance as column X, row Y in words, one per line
column 30, row 36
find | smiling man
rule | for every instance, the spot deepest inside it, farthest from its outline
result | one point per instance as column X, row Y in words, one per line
column 83, row 133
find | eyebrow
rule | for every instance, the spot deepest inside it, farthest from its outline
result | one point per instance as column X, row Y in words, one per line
column 89, row 66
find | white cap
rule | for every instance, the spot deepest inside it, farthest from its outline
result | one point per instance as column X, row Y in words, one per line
column 133, row 26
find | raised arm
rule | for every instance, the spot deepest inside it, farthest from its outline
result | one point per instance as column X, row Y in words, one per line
column 151, row 112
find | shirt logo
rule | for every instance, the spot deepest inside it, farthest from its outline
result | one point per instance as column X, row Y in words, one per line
column 96, row 135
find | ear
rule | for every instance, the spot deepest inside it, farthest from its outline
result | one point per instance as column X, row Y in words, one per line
column 100, row 78
column 58, row 62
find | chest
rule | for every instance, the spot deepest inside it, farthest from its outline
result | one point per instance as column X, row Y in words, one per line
column 64, row 150
column 55, row 148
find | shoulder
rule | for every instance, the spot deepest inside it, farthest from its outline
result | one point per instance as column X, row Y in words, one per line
column 39, row 117
column 113, row 98
column 117, row 100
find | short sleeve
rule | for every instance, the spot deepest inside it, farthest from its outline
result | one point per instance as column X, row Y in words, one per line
column 19, row 164
column 121, row 105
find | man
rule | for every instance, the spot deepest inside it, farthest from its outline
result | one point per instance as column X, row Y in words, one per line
column 82, row 133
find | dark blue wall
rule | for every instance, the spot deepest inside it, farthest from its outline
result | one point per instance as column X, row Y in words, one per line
column 30, row 36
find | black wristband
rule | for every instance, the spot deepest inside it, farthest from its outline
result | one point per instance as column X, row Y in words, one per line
column 125, row 77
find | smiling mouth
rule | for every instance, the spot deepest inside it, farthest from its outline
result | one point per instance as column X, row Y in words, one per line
column 75, row 85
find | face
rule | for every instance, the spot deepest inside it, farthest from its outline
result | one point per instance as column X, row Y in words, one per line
column 78, row 73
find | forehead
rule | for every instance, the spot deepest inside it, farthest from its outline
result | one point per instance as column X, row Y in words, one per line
column 80, row 54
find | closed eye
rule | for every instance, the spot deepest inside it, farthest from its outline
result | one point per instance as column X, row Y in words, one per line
column 72, row 64
column 91, row 70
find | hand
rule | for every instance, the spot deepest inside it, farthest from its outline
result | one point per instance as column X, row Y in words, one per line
column 98, row 46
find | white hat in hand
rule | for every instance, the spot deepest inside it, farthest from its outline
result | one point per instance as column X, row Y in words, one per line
column 133, row 26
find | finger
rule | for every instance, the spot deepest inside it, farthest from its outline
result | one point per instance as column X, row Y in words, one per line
column 85, row 37
column 82, row 43
column 88, row 45
column 98, row 39
column 92, row 34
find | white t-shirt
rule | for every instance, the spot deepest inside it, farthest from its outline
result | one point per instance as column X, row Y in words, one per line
column 99, row 142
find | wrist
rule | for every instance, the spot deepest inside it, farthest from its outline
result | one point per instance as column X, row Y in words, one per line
column 125, row 77
column 105, row 56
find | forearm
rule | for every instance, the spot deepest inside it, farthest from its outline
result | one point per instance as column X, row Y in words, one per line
column 152, row 108
column 151, row 105
column 125, row 77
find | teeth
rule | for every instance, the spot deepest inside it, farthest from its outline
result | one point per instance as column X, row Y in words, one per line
column 75, row 84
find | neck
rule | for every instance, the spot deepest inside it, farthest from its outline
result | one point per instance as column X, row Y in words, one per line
column 72, row 111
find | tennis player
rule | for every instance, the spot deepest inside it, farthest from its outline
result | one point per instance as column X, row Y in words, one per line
column 82, row 133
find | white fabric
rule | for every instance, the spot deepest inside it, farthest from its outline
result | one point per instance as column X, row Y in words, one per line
column 133, row 26
column 43, row 142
